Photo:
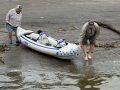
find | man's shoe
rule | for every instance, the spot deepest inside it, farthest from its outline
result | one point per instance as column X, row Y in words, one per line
column 17, row 43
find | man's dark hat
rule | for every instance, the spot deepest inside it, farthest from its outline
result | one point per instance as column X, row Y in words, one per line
column 91, row 22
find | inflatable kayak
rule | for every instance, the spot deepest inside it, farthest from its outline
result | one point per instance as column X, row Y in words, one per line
column 57, row 47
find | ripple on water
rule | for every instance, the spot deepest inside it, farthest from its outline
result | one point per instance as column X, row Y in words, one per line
column 44, row 80
column 10, row 80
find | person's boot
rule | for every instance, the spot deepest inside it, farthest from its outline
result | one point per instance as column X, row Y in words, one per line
column 17, row 42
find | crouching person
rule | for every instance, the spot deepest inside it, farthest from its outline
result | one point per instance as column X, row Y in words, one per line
column 90, row 32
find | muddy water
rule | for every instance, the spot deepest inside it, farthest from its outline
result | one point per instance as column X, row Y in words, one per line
column 26, row 69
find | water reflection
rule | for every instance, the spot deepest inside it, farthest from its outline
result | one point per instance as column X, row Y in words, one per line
column 89, row 79
column 87, row 62
column 93, row 79
column 15, row 76
column 49, row 73
column 83, row 77
column 11, row 80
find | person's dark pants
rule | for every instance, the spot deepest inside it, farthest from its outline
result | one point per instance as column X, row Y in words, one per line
column 91, row 40
column 10, row 28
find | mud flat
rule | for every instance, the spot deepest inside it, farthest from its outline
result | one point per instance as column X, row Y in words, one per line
column 26, row 69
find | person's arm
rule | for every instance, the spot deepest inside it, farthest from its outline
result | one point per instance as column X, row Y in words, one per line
column 83, row 32
column 97, row 30
column 8, row 16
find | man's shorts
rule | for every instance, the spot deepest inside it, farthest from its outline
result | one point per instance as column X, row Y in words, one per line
column 91, row 40
column 10, row 28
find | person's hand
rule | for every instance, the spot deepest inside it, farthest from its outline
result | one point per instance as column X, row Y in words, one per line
column 77, row 42
column 81, row 45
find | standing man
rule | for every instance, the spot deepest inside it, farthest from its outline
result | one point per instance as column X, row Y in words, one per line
column 90, row 32
column 13, row 20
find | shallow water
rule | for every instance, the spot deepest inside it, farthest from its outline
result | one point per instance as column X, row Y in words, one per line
column 26, row 69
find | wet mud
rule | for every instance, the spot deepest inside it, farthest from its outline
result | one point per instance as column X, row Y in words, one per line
column 108, row 26
column 22, row 68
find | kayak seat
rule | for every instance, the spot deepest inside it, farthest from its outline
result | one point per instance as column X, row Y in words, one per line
column 33, row 36
column 60, row 43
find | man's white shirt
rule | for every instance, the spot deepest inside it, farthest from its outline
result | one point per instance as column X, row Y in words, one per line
column 13, row 18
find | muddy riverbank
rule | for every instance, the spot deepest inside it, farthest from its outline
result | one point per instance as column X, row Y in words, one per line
column 23, row 68
column 26, row 69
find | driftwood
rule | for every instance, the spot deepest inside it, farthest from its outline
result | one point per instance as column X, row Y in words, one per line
column 110, row 27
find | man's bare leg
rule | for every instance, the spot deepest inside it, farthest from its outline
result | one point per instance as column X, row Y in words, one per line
column 10, row 37
column 85, row 51
column 90, row 51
